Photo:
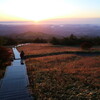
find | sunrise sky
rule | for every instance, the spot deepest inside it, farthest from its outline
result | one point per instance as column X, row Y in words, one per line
column 39, row 10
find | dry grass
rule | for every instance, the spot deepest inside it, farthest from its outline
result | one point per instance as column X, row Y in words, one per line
column 64, row 77
column 37, row 48
column 3, row 68
column 45, row 48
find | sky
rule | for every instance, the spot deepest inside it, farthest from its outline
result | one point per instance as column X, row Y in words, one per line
column 43, row 10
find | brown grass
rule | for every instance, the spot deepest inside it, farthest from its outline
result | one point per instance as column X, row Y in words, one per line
column 37, row 48
column 64, row 77
column 3, row 68
column 45, row 48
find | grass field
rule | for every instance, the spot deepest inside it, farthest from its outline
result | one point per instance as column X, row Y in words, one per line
column 46, row 48
column 62, row 77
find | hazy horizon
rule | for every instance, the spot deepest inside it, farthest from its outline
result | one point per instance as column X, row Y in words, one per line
column 95, row 21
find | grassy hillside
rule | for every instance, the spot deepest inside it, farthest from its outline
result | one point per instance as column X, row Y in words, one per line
column 39, row 48
column 47, row 48
column 32, row 35
column 64, row 77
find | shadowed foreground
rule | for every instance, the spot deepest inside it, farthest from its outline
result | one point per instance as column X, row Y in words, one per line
column 15, row 82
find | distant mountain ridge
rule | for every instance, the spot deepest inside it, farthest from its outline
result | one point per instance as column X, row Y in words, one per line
column 32, row 35
column 48, row 31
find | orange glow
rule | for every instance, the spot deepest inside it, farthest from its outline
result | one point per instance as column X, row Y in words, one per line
column 37, row 10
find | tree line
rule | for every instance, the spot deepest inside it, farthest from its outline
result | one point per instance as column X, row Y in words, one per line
column 71, row 40
column 74, row 40
column 85, row 42
column 7, row 41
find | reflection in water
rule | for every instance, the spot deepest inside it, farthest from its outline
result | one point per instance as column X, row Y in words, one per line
column 16, row 53
column 22, row 62
column 15, row 81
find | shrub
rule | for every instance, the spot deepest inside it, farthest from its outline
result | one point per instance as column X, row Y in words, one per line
column 86, row 45
column 4, row 56
column 2, row 41
column 38, row 40
column 55, row 41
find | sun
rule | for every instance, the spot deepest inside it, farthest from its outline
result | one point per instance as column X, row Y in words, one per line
column 37, row 10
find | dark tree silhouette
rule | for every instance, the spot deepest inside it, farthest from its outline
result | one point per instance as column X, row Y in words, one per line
column 55, row 41
column 38, row 40
column 87, row 45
